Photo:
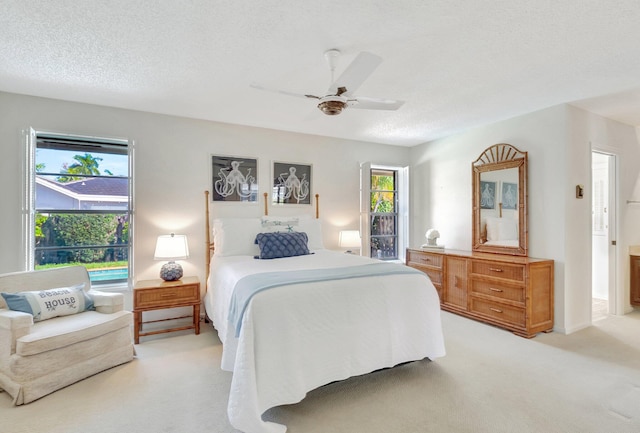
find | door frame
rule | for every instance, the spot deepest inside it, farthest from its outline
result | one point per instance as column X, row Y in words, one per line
column 616, row 290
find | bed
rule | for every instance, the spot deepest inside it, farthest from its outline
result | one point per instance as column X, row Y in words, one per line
column 323, row 315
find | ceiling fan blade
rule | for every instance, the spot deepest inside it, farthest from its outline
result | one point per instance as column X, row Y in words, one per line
column 282, row 92
column 355, row 74
column 364, row 103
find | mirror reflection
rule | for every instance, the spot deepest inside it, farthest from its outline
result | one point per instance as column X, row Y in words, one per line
column 499, row 207
column 499, row 201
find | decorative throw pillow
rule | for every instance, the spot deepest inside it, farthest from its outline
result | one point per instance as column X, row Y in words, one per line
column 278, row 245
column 279, row 224
column 302, row 224
column 47, row 304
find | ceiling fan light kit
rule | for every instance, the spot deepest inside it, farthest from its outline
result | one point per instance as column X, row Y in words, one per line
column 340, row 92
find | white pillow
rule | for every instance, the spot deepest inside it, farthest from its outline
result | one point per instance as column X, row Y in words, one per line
column 313, row 229
column 236, row 236
column 508, row 229
column 501, row 229
column 492, row 229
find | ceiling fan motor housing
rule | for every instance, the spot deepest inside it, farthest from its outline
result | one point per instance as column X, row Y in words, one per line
column 331, row 108
column 332, row 105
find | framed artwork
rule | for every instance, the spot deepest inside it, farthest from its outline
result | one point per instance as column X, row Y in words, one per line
column 509, row 195
column 487, row 195
column 234, row 179
column 291, row 183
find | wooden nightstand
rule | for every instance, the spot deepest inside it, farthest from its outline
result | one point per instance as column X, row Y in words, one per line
column 159, row 294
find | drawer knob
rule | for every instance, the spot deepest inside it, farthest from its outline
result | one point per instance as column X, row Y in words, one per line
column 496, row 270
column 495, row 309
column 425, row 259
column 167, row 295
column 493, row 289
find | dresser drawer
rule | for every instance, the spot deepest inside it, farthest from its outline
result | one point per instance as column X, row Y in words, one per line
column 434, row 276
column 502, row 291
column 502, row 313
column 425, row 259
column 499, row 270
column 166, row 296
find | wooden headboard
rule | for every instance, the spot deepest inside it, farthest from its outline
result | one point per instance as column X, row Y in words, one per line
column 210, row 247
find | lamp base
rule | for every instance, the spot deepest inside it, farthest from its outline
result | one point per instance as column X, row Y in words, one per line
column 171, row 271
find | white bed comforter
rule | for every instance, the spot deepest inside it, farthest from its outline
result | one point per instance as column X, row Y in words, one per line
column 298, row 337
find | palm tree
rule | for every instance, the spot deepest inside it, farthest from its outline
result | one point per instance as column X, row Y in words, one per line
column 382, row 198
column 85, row 164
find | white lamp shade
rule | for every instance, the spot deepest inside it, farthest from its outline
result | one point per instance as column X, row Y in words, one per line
column 171, row 247
column 349, row 239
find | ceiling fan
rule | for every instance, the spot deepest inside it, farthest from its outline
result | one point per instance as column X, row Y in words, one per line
column 340, row 93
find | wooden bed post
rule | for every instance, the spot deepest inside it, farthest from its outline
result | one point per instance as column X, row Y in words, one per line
column 208, row 249
column 266, row 210
column 317, row 206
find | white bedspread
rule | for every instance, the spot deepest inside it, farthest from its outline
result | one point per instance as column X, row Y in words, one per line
column 296, row 338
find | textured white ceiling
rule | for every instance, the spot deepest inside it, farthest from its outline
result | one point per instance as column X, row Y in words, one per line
column 456, row 63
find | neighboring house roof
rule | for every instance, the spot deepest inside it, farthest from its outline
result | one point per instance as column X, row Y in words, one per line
column 98, row 186
column 99, row 189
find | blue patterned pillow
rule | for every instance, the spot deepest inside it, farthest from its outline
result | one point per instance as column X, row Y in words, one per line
column 278, row 245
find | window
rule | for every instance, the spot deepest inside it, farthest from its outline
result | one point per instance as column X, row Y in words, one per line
column 385, row 213
column 79, row 205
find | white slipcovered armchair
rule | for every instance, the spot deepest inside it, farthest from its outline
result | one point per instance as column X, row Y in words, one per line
column 38, row 358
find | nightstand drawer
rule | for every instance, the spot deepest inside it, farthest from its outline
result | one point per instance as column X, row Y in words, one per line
column 165, row 296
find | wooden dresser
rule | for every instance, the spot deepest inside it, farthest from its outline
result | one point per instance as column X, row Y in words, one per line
column 512, row 292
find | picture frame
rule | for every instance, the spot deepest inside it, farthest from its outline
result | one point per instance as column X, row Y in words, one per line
column 291, row 183
column 509, row 195
column 487, row 195
column 234, row 179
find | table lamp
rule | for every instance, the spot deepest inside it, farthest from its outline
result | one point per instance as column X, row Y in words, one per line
column 349, row 239
column 171, row 247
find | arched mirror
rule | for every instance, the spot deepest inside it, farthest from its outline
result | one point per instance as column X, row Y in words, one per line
column 500, row 201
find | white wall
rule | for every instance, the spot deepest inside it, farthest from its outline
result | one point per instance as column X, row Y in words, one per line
column 558, row 142
column 442, row 185
column 592, row 132
column 172, row 172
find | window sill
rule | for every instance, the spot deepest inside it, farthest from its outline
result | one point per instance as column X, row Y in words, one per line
column 113, row 287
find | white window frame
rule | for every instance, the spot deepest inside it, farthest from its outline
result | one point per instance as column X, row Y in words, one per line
column 402, row 180
column 29, row 198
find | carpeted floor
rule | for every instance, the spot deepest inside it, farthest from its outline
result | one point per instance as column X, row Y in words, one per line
column 490, row 381
column 599, row 309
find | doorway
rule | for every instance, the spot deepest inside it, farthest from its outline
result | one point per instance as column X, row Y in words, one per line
column 603, row 282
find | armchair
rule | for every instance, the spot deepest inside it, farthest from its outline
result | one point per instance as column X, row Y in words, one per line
column 38, row 358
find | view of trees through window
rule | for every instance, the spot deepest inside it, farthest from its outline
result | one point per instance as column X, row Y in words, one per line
column 82, row 213
column 384, row 214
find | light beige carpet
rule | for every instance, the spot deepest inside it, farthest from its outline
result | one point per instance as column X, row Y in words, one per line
column 490, row 381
